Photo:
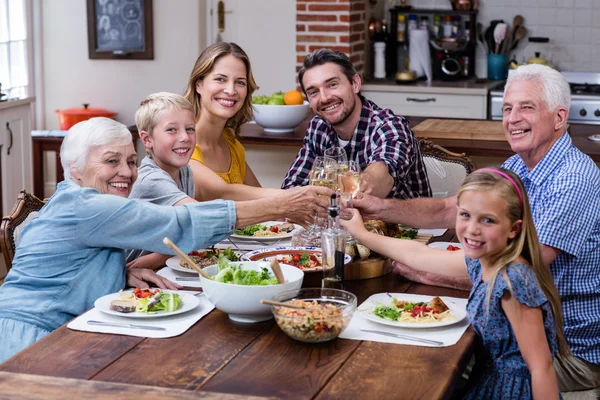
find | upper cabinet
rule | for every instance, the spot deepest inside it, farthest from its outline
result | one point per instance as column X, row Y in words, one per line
column 15, row 151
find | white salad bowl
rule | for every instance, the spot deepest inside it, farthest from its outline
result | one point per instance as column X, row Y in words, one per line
column 242, row 302
column 280, row 119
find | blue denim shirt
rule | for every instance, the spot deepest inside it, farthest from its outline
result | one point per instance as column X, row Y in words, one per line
column 72, row 252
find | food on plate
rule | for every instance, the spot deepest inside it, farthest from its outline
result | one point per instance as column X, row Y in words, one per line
column 415, row 312
column 316, row 323
column 363, row 251
column 204, row 258
column 452, row 248
column 122, row 306
column 264, row 230
column 146, row 301
column 237, row 275
column 303, row 261
column 406, row 233
column 376, row 225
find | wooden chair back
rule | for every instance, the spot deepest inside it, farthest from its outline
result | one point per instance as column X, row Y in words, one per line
column 24, row 210
column 445, row 169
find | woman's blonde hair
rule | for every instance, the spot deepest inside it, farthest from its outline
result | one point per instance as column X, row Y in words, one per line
column 151, row 108
column 204, row 64
column 524, row 245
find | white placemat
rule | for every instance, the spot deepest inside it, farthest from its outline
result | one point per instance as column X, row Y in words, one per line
column 172, row 275
column 434, row 232
column 175, row 325
column 448, row 335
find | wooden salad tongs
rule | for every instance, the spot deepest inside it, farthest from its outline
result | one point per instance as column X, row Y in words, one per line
column 185, row 257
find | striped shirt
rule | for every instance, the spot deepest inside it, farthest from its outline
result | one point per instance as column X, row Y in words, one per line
column 564, row 192
column 380, row 136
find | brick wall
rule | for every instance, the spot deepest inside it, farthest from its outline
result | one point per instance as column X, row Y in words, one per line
column 335, row 24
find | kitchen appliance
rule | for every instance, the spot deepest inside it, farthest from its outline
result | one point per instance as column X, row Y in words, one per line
column 69, row 117
column 585, row 98
column 538, row 51
column 448, row 65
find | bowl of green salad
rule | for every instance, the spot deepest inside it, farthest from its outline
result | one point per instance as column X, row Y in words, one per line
column 236, row 288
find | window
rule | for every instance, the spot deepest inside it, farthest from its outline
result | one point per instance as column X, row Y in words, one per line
column 15, row 48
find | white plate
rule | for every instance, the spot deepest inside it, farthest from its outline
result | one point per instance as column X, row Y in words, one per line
column 188, row 302
column 267, row 253
column 267, row 238
column 382, row 298
column 443, row 245
column 175, row 263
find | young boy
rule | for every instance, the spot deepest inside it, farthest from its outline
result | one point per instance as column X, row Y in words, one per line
column 166, row 126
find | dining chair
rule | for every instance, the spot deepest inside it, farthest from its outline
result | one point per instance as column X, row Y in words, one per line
column 445, row 169
column 25, row 209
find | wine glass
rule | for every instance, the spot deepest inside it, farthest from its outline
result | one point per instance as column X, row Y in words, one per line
column 348, row 186
column 323, row 173
column 338, row 154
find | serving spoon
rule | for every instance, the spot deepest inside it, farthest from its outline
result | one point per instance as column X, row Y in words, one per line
column 185, row 257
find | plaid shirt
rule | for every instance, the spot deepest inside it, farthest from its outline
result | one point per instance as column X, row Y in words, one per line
column 564, row 193
column 380, row 136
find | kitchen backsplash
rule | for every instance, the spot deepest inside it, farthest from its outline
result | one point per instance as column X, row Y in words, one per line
column 568, row 23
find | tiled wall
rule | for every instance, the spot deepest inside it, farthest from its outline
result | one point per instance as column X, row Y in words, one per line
column 568, row 23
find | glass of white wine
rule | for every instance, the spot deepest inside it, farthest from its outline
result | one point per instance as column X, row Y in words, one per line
column 349, row 185
column 337, row 154
column 323, row 173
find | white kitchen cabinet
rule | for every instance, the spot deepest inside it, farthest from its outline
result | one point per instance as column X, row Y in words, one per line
column 436, row 105
column 15, row 150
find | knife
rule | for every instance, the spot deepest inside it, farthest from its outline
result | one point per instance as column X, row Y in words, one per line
column 406, row 337
column 187, row 278
column 130, row 326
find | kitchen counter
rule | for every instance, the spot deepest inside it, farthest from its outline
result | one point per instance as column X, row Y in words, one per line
column 470, row 86
column 253, row 134
column 16, row 102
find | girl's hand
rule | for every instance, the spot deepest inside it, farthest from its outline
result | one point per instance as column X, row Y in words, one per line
column 355, row 225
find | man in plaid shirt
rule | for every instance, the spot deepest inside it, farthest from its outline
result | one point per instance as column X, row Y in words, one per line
column 563, row 186
column 380, row 141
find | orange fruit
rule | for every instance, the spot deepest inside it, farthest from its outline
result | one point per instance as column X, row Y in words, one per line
column 293, row 98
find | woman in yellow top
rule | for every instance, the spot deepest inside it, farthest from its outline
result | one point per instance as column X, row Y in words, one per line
column 220, row 89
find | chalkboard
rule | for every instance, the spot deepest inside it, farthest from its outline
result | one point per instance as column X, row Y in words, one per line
column 120, row 29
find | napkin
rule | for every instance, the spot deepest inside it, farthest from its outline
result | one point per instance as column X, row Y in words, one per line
column 449, row 334
column 175, row 325
column 171, row 275
column 418, row 52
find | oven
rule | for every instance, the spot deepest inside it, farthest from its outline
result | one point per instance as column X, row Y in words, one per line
column 585, row 99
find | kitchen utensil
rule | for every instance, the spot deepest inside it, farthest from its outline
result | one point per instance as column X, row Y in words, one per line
column 499, row 35
column 405, row 337
column 185, row 257
column 123, row 325
column 277, row 270
column 489, row 34
column 69, row 117
column 537, row 51
column 186, row 278
column 520, row 33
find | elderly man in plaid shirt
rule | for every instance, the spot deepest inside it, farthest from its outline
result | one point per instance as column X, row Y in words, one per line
column 380, row 141
column 563, row 185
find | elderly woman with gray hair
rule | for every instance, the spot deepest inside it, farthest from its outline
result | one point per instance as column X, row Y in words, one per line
column 72, row 252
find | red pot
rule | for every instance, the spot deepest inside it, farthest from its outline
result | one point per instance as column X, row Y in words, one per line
column 69, row 117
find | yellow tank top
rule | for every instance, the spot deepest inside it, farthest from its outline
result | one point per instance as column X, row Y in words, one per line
column 237, row 169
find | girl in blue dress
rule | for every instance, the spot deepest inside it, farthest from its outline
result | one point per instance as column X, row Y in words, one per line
column 513, row 305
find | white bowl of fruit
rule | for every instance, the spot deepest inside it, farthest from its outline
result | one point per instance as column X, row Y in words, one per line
column 281, row 112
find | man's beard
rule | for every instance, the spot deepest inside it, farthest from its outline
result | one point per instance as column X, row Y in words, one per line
column 346, row 112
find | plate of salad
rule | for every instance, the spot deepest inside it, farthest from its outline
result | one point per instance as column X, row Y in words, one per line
column 202, row 258
column 146, row 303
column 267, row 231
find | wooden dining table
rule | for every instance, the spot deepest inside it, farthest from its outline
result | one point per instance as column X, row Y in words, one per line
column 219, row 356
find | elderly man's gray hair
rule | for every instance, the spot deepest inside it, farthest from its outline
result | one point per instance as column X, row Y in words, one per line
column 556, row 91
column 99, row 131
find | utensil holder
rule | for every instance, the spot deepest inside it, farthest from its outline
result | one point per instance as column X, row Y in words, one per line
column 497, row 67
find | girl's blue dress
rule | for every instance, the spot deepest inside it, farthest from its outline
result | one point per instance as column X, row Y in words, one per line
column 500, row 371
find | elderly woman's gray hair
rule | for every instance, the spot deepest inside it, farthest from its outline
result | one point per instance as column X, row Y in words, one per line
column 556, row 91
column 99, row 131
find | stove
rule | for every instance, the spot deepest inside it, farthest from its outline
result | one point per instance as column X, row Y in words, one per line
column 585, row 98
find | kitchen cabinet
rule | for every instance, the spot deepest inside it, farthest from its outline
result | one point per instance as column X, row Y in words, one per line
column 15, row 151
column 437, row 99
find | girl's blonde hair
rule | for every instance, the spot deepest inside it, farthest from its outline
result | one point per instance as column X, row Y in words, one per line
column 204, row 64
column 151, row 108
column 525, row 244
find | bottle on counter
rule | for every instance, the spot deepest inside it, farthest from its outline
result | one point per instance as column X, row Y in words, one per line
column 424, row 23
column 468, row 47
column 412, row 22
column 437, row 27
column 456, row 26
column 333, row 246
column 447, row 32
column 401, row 30
column 379, row 48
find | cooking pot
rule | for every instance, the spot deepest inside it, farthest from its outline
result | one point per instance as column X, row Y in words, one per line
column 69, row 117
